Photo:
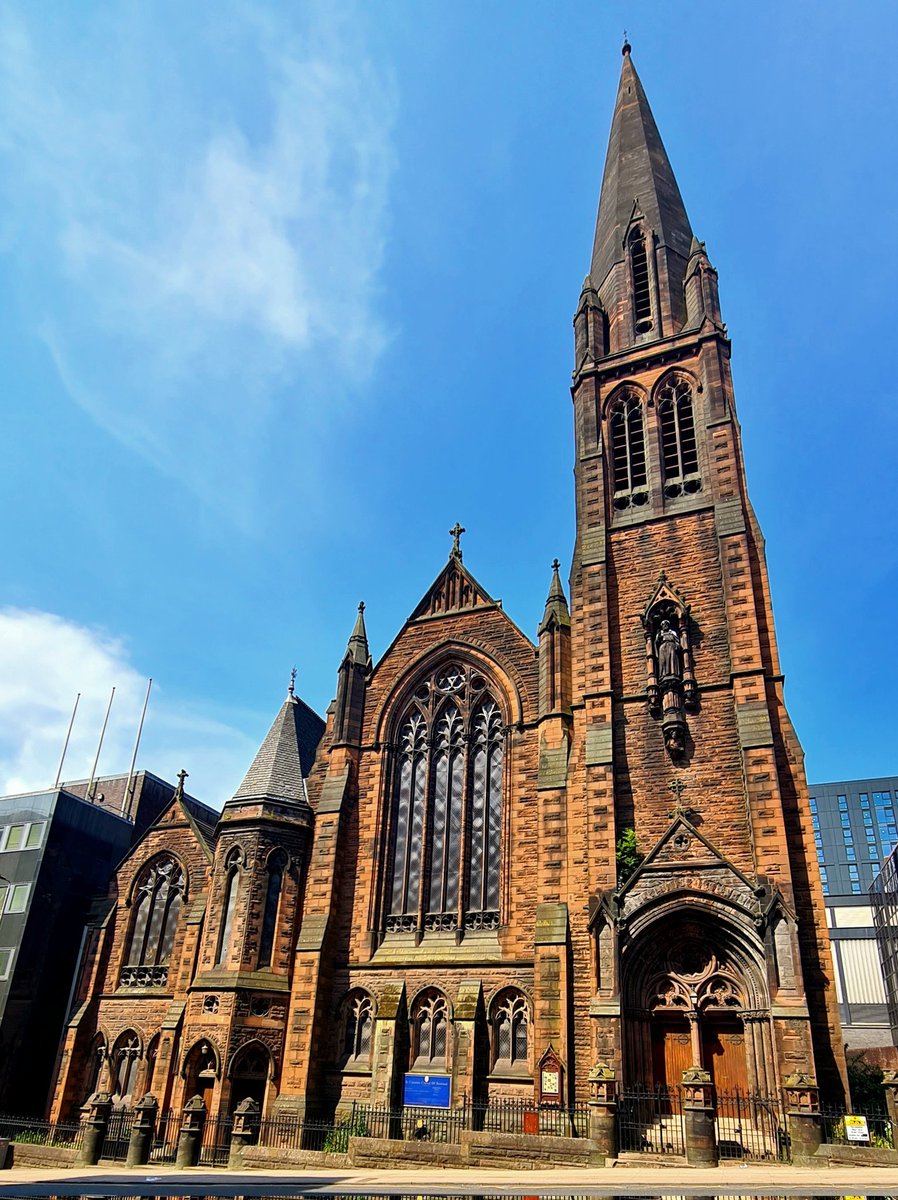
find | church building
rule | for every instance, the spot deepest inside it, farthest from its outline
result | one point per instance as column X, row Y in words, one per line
column 501, row 862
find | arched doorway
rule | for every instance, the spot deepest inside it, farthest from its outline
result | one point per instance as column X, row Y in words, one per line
column 687, row 983
column 250, row 1073
column 200, row 1072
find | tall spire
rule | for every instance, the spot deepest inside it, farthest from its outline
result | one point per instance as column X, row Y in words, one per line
column 556, row 601
column 639, row 189
column 352, row 684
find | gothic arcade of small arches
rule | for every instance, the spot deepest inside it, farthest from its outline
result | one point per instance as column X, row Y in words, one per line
column 694, row 993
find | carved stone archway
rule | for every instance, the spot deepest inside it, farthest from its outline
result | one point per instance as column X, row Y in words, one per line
column 694, row 994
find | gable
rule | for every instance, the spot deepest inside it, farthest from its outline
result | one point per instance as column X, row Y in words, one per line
column 454, row 590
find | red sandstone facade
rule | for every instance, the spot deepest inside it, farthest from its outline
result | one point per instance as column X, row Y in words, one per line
column 439, row 892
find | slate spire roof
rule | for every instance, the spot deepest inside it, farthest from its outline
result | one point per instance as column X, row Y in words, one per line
column 556, row 601
column 357, row 649
column 285, row 758
column 638, row 178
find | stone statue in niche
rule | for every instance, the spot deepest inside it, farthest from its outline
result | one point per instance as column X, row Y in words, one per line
column 667, row 648
column 670, row 689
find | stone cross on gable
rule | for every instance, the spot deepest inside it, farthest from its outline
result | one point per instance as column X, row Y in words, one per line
column 678, row 787
column 455, row 533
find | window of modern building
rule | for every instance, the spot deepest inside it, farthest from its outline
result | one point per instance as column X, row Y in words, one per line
column 824, row 880
column 850, row 854
column 865, row 800
column 14, row 897
column 855, row 880
column 843, row 803
column 27, row 835
column 6, row 957
column 813, row 803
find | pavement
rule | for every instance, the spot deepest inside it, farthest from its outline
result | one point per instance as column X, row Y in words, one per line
column 630, row 1180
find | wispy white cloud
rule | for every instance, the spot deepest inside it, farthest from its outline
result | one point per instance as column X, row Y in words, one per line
column 208, row 207
column 46, row 660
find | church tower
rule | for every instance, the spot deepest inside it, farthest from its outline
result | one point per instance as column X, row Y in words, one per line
column 714, row 951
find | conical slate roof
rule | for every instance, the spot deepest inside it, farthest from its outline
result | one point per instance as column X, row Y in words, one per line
column 638, row 177
column 556, row 601
column 285, row 757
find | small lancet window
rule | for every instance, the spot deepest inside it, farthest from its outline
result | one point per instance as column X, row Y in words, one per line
column 232, row 885
column 679, row 449
column 277, row 865
column 628, row 453
column 359, row 1028
column 639, row 269
column 430, row 1023
column 511, row 1021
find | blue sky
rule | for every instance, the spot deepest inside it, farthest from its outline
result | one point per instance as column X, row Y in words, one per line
column 287, row 290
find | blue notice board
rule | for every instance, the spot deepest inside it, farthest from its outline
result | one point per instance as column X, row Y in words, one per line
column 427, row 1091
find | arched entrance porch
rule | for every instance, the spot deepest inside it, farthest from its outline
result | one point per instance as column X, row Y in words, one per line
column 695, row 993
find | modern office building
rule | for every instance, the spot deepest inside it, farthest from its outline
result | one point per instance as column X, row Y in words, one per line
column 884, row 901
column 855, row 832
column 57, row 850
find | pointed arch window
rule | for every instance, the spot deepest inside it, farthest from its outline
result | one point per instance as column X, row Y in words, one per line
column 277, row 865
column 628, row 465
column 157, row 905
column 510, row 1031
column 430, row 1030
column 446, row 810
column 679, row 450
column 358, row 1029
column 640, row 280
column 124, row 1066
column 229, row 903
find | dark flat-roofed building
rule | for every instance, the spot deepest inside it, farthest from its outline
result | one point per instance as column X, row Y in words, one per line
column 57, row 850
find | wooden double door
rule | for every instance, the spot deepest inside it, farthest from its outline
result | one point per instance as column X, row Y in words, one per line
column 723, row 1051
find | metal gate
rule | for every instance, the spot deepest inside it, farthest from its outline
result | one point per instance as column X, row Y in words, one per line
column 650, row 1121
column 751, row 1127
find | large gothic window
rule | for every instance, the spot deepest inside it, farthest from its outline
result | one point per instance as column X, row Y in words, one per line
column 679, row 450
column 446, row 807
column 627, row 437
column 157, row 903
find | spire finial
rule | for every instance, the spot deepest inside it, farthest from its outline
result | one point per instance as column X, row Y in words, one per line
column 292, row 685
column 455, row 533
column 555, row 564
column 361, row 606
column 626, row 48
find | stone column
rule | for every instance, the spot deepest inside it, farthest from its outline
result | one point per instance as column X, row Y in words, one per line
column 190, row 1138
column 94, row 1122
column 143, row 1129
column 603, row 1110
column 698, row 1118
column 244, row 1132
column 803, row 1117
column 890, row 1084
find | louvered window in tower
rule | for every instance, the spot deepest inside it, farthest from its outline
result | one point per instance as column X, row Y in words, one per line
column 678, row 445
column 446, row 808
column 641, row 283
column 628, row 465
column 157, row 904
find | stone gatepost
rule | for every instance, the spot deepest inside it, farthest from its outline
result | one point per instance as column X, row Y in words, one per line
column 698, row 1118
column 244, row 1131
column 603, row 1109
column 190, row 1138
column 803, row 1117
column 94, row 1122
column 143, row 1129
column 890, row 1084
